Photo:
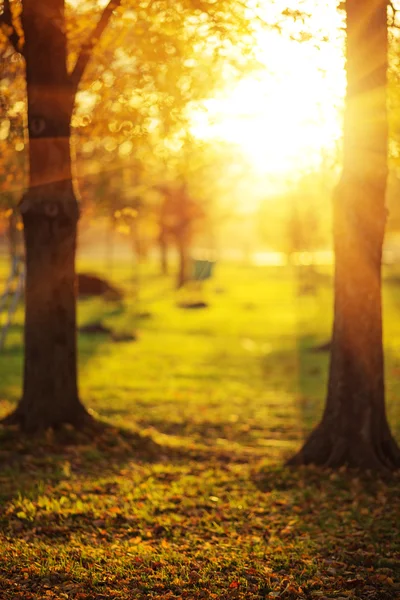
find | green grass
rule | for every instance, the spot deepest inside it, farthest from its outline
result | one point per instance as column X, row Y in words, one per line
column 182, row 493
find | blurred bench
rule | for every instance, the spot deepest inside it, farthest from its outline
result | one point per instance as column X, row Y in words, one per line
column 191, row 296
column 202, row 269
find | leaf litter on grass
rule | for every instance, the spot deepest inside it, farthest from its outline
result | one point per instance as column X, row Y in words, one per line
column 126, row 526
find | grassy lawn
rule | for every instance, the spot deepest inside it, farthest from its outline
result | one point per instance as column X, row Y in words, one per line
column 182, row 492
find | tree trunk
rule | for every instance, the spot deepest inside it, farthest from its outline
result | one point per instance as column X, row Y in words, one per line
column 50, row 213
column 183, row 262
column 354, row 430
column 163, row 247
column 50, row 394
column 110, row 245
column 138, row 246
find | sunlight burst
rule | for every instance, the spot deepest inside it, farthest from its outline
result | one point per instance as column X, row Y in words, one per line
column 285, row 116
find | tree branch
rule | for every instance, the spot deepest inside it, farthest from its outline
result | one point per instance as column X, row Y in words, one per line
column 394, row 12
column 8, row 27
column 89, row 45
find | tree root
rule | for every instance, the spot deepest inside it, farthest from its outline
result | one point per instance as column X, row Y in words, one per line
column 316, row 450
column 32, row 423
column 324, row 450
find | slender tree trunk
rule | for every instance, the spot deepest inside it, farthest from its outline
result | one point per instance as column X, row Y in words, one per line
column 50, row 214
column 183, row 261
column 110, row 245
column 138, row 246
column 163, row 236
column 354, row 430
column 163, row 247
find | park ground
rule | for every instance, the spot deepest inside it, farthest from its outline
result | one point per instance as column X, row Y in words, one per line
column 182, row 492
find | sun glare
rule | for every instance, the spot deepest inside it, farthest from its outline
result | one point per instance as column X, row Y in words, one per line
column 287, row 114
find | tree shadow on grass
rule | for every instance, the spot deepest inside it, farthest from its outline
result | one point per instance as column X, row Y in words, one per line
column 102, row 450
column 210, row 433
column 292, row 370
column 301, row 375
column 49, row 484
column 349, row 515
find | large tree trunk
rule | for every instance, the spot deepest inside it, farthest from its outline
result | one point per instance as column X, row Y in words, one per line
column 50, row 394
column 354, row 430
column 50, row 213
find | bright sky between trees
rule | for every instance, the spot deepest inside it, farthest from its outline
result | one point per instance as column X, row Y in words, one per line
column 287, row 115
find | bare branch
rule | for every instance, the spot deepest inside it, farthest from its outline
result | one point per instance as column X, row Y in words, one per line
column 8, row 27
column 89, row 45
column 394, row 11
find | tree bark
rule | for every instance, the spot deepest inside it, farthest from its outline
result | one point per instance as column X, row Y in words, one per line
column 50, row 394
column 354, row 430
column 50, row 213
